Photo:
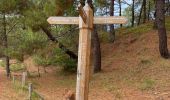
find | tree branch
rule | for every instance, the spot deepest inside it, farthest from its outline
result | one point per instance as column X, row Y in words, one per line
column 61, row 46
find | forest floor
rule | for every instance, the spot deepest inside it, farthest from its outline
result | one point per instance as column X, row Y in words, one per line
column 7, row 90
column 132, row 69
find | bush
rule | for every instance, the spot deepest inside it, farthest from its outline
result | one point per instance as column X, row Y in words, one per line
column 64, row 61
column 17, row 67
column 2, row 63
column 41, row 61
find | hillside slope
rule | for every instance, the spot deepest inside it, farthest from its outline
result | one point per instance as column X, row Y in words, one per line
column 132, row 69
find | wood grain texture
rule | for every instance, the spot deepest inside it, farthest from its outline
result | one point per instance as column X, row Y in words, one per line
column 83, row 71
column 97, row 20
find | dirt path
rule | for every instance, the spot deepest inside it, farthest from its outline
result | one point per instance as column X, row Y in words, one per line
column 7, row 91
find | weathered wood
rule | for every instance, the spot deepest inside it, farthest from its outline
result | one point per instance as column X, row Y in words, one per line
column 30, row 91
column 13, row 79
column 63, row 20
column 110, row 20
column 83, row 70
column 24, row 78
column 82, row 13
column 97, row 20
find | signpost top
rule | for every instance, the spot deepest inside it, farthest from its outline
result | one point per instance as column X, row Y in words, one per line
column 96, row 20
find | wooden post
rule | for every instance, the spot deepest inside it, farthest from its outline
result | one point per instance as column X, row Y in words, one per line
column 85, row 21
column 13, row 79
column 24, row 79
column 30, row 91
column 83, row 70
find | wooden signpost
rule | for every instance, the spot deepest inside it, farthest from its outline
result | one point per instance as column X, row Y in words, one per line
column 86, row 20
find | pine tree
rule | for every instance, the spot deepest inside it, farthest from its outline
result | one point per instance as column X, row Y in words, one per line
column 160, row 18
column 7, row 7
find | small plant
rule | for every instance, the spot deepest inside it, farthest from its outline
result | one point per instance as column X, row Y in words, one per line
column 41, row 61
column 63, row 60
column 147, row 84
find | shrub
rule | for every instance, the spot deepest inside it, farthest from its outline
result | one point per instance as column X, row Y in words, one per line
column 63, row 60
column 17, row 67
column 2, row 63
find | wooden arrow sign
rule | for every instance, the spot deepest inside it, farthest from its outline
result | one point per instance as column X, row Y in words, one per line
column 97, row 20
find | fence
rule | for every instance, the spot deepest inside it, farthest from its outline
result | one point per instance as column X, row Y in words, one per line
column 31, row 92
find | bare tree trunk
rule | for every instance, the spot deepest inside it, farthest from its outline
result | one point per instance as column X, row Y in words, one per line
column 120, row 10
column 96, row 51
column 149, row 10
column 112, row 30
column 160, row 8
column 5, row 44
column 140, row 15
column 96, row 46
column 144, row 11
column 133, row 12
column 155, row 26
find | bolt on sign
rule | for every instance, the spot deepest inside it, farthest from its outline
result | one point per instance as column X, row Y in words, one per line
column 86, row 20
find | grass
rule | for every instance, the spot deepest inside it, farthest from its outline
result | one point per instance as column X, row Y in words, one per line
column 24, row 90
column 147, row 84
column 137, row 31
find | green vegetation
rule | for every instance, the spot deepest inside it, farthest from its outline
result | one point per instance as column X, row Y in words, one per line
column 17, row 67
column 2, row 63
column 147, row 84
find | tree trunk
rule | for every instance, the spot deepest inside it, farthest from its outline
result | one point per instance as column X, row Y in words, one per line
column 82, row 2
column 140, row 13
column 160, row 8
column 144, row 11
column 96, row 46
column 133, row 12
column 96, row 51
column 112, row 30
column 120, row 10
column 61, row 46
column 5, row 44
column 155, row 26
column 149, row 10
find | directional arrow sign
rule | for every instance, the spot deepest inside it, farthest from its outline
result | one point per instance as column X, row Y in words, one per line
column 97, row 20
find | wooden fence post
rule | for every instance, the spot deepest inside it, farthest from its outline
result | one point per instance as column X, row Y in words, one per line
column 13, row 79
column 30, row 90
column 24, row 79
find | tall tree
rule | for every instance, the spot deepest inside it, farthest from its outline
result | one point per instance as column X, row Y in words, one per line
column 7, row 8
column 140, row 14
column 96, row 45
column 160, row 14
column 155, row 26
column 5, row 44
column 149, row 9
column 144, row 11
column 112, row 29
column 133, row 13
column 120, row 10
